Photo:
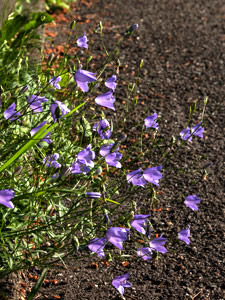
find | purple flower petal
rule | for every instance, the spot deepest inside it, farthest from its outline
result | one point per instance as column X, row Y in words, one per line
column 10, row 113
column 145, row 253
column 153, row 175
column 192, row 201
column 6, row 196
column 97, row 245
column 86, row 156
column 62, row 107
column 54, row 81
column 198, row 130
column 185, row 134
column 94, row 195
column 139, row 222
column 136, row 178
column 120, row 282
column 35, row 103
column 102, row 130
column 79, row 168
column 82, row 78
column 150, row 121
column 51, row 161
column 157, row 244
column 111, row 82
column 82, row 42
column 184, row 235
column 116, row 236
column 45, row 139
column 106, row 100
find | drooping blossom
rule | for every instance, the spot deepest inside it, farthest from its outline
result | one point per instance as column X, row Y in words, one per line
column 103, row 129
column 54, row 81
column 83, row 77
column 55, row 107
column 46, row 137
column 97, row 245
column 139, row 223
column 111, row 82
column 117, row 235
column 157, row 244
column 150, row 121
column 6, row 196
column 82, row 41
column 184, row 235
column 106, row 100
column 35, row 103
column 11, row 114
column 197, row 130
column 192, row 201
column 84, row 161
column 111, row 158
column 132, row 28
column 121, row 282
column 139, row 177
column 145, row 253
column 51, row 161
column 94, row 195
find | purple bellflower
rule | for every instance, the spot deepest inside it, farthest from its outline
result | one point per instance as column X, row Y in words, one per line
column 106, row 100
column 120, row 282
column 132, row 28
column 103, row 129
column 197, row 130
column 139, row 177
column 54, row 81
column 46, row 137
column 184, row 235
column 157, row 244
column 51, row 161
column 192, row 201
column 94, row 195
column 61, row 106
column 111, row 158
column 116, row 236
column 150, row 121
column 111, row 82
column 11, row 114
column 5, row 197
column 145, row 253
column 83, row 161
column 82, row 42
column 35, row 103
column 97, row 245
column 139, row 223
column 82, row 78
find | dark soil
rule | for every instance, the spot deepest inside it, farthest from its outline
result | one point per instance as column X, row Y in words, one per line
column 182, row 45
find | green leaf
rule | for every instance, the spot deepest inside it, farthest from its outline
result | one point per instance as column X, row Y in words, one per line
column 38, row 285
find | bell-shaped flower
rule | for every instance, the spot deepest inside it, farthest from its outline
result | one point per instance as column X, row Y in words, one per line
column 106, row 100
column 11, row 114
column 94, row 195
column 184, row 235
column 84, row 161
column 139, row 223
column 153, row 175
column 136, row 178
column 46, row 137
column 121, row 282
column 6, row 196
column 82, row 41
column 56, row 107
column 111, row 82
column 103, row 129
column 111, row 158
column 35, row 103
column 82, row 78
column 150, row 121
column 54, row 81
column 192, row 201
column 157, row 244
column 97, row 245
column 197, row 130
column 51, row 161
column 116, row 236
column 145, row 253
